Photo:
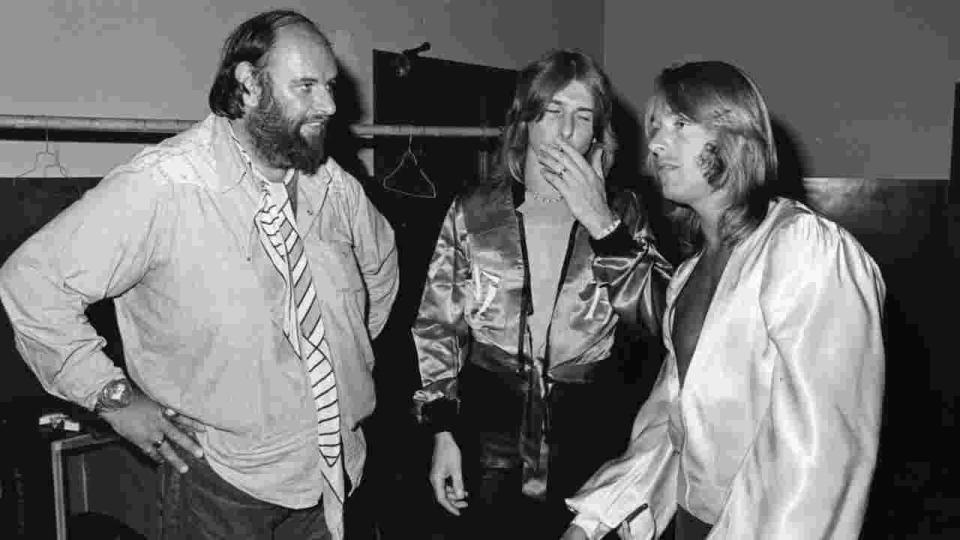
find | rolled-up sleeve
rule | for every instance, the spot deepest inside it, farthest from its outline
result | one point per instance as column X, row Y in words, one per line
column 99, row 247
column 808, row 472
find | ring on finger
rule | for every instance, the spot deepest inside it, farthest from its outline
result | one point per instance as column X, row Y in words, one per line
column 158, row 443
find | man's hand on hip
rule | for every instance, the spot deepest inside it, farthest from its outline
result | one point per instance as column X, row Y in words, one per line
column 155, row 430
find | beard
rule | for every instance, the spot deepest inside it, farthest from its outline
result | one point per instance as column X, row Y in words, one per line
column 279, row 140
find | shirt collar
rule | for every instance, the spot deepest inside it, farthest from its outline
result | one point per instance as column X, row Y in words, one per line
column 251, row 166
column 234, row 164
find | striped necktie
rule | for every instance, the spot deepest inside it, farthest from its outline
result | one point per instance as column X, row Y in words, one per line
column 302, row 324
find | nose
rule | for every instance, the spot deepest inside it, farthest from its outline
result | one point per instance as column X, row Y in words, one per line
column 323, row 101
column 567, row 127
column 657, row 144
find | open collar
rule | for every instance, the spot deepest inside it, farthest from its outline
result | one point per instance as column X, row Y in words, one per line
column 237, row 179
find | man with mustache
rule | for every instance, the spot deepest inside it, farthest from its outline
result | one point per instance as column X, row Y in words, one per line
column 249, row 274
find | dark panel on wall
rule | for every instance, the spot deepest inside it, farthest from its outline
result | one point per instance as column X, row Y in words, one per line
column 426, row 92
column 955, row 148
column 903, row 224
column 26, row 204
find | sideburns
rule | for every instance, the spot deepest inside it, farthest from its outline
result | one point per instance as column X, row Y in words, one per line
column 710, row 163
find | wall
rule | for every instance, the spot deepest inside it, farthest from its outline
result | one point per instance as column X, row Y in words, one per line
column 866, row 86
column 156, row 58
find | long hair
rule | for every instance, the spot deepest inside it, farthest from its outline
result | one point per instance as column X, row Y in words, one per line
column 536, row 85
column 250, row 42
column 742, row 160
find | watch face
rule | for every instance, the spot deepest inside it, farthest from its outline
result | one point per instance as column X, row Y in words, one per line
column 116, row 394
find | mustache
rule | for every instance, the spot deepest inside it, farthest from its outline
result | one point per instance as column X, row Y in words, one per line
column 321, row 119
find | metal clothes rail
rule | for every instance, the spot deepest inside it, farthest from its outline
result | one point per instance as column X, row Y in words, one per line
column 163, row 126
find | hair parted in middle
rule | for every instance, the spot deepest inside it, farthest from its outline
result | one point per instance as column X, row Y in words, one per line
column 536, row 85
column 742, row 159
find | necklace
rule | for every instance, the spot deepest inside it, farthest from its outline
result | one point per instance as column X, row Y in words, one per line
column 543, row 198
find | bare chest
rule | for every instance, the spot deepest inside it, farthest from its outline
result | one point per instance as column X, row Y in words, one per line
column 691, row 307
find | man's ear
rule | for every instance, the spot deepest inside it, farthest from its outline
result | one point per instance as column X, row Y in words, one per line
column 246, row 76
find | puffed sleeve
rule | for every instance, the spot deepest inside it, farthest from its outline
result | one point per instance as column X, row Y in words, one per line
column 808, row 472
column 636, row 492
column 627, row 262
column 440, row 331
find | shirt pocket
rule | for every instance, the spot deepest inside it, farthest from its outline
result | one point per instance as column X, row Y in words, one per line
column 340, row 286
column 334, row 266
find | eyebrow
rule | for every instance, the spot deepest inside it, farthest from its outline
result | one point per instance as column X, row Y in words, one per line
column 555, row 101
column 313, row 80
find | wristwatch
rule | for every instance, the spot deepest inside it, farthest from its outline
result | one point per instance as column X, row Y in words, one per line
column 114, row 395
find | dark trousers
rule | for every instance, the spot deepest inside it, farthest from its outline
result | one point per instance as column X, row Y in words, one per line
column 199, row 505
column 689, row 527
column 499, row 510
column 590, row 425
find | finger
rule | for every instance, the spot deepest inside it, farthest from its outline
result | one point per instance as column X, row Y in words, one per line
column 456, row 502
column 597, row 161
column 549, row 162
column 166, row 451
column 552, row 157
column 450, row 505
column 456, row 479
column 436, row 480
column 450, row 493
column 571, row 157
column 183, row 439
column 184, row 421
column 555, row 180
column 152, row 450
column 565, row 170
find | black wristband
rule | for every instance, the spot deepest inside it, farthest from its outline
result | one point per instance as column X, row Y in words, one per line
column 439, row 415
column 616, row 243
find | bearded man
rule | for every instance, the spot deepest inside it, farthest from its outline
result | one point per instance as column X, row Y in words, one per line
column 249, row 274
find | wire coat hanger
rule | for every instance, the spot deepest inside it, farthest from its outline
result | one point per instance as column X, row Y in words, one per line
column 46, row 153
column 409, row 178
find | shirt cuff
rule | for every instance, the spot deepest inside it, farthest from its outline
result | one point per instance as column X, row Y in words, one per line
column 594, row 528
column 617, row 242
column 439, row 415
column 97, row 373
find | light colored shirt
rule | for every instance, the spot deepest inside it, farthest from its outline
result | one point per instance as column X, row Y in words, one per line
column 774, row 433
column 171, row 237
column 547, row 228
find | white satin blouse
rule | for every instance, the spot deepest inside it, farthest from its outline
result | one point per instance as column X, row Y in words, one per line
column 774, row 433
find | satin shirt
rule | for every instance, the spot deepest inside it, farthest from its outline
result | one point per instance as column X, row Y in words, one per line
column 476, row 304
column 774, row 432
